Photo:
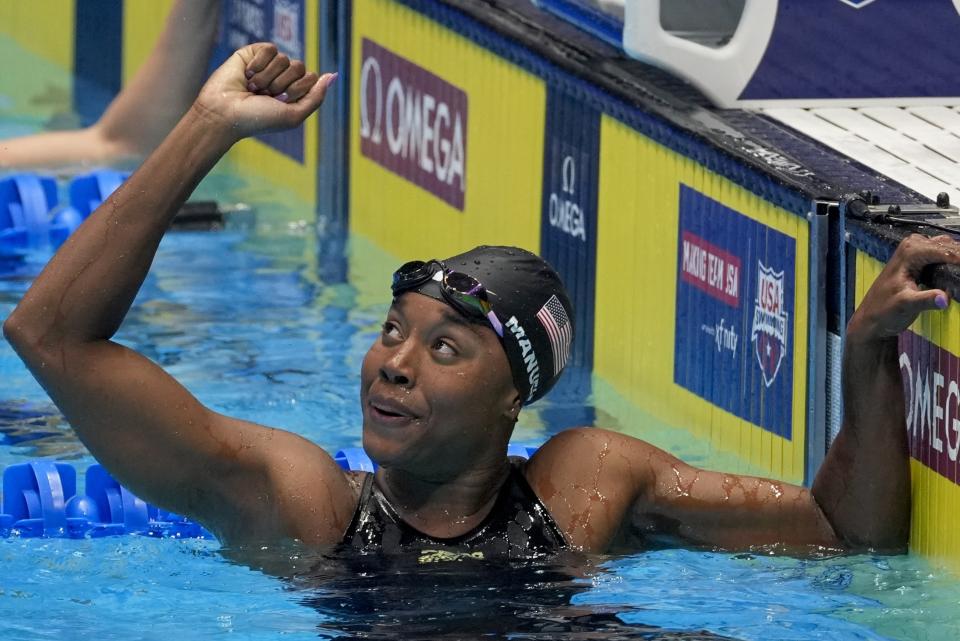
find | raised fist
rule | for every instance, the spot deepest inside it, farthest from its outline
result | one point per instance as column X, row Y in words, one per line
column 258, row 90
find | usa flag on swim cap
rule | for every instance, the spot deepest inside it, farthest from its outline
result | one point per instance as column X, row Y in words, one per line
column 554, row 319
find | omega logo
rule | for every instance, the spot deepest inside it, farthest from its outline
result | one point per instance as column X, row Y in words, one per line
column 563, row 212
column 371, row 66
column 413, row 123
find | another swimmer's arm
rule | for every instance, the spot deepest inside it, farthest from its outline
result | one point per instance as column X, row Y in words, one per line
column 141, row 424
column 146, row 109
column 864, row 483
column 60, row 149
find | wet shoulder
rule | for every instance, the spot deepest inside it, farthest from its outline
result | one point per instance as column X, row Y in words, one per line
column 588, row 478
column 315, row 498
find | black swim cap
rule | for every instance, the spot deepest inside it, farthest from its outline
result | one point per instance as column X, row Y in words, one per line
column 531, row 303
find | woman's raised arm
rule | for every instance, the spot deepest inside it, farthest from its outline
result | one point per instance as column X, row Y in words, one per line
column 141, row 424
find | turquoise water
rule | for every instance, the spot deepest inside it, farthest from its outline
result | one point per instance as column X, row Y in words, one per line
column 242, row 319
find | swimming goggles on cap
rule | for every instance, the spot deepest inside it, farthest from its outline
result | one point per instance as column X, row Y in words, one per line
column 463, row 292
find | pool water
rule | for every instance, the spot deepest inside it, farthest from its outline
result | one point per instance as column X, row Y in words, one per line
column 242, row 319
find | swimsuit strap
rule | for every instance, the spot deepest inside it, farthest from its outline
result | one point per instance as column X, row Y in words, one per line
column 522, row 486
column 362, row 512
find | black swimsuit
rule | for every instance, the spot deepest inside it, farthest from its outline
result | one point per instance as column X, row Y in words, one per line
column 518, row 526
column 525, row 586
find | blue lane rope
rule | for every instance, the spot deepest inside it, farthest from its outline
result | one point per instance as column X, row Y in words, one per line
column 40, row 500
column 31, row 217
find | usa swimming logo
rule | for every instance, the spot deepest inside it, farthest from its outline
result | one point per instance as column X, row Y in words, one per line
column 769, row 334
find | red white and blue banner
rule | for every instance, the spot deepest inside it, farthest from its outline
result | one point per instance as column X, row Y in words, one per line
column 735, row 312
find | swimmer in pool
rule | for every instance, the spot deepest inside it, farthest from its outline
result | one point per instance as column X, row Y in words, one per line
column 140, row 117
column 466, row 344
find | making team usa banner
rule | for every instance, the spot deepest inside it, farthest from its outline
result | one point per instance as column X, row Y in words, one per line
column 734, row 312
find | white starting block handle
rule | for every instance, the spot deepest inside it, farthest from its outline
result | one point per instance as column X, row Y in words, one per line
column 719, row 72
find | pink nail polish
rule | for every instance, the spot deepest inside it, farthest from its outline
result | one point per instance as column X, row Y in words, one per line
column 248, row 73
column 332, row 78
column 252, row 88
column 283, row 97
column 941, row 301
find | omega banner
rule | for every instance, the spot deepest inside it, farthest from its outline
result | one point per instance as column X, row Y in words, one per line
column 568, row 228
column 931, row 386
column 413, row 123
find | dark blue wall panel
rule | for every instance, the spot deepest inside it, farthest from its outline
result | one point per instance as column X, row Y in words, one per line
column 568, row 228
column 98, row 57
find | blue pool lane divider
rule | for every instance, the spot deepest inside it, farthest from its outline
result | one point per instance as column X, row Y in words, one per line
column 31, row 218
column 25, row 204
column 356, row 460
column 40, row 500
column 89, row 191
